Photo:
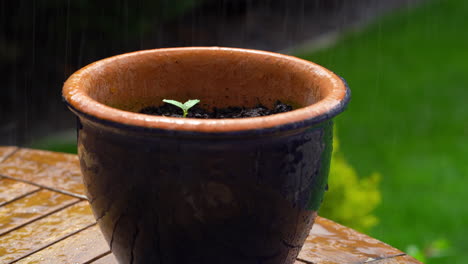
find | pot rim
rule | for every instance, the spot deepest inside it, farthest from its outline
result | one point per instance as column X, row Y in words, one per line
column 328, row 107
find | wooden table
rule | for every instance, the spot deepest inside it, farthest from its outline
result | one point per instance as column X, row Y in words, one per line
column 45, row 218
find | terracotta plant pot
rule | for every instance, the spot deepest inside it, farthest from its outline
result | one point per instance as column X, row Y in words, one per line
column 181, row 190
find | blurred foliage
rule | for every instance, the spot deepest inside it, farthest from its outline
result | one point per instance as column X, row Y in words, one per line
column 66, row 147
column 59, row 142
column 350, row 199
column 431, row 252
column 408, row 119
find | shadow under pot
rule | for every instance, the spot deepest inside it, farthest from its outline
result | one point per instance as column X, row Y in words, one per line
column 183, row 190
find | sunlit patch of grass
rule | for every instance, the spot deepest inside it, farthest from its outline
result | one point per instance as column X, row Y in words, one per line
column 408, row 119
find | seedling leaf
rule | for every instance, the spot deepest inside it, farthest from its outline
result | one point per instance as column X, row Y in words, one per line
column 190, row 103
column 184, row 106
column 174, row 102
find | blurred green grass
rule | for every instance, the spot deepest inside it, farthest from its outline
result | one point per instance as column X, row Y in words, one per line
column 64, row 141
column 408, row 120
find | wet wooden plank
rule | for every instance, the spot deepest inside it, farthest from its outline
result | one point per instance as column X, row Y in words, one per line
column 43, row 232
column 107, row 259
column 397, row 260
column 30, row 208
column 5, row 151
column 82, row 247
column 11, row 190
column 330, row 242
column 57, row 171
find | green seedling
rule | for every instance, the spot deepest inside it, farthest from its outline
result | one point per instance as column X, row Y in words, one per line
column 184, row 106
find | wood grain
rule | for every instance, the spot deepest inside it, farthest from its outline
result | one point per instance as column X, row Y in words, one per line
column 5, row 151
column 82, row 247
column 11, row 190
column 44, row 232
column 30, row 208
column 330, row 242
column 397, row 260
column 56, row 171
column 108, row 259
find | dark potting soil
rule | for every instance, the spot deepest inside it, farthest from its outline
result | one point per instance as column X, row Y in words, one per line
column 217, row 113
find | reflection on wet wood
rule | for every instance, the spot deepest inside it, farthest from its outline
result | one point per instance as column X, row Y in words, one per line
column 5, row 151
column 48, row 169
column 31, row 207
column 56, row 226
column 79, row 248
column 11, row 190
column 347, row 245
column 397, row 260
column 43, row 232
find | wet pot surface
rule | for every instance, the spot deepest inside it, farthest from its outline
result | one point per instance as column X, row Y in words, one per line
column 205, row 200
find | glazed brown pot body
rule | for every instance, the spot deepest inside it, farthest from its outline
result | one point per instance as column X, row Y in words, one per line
column 172, row 190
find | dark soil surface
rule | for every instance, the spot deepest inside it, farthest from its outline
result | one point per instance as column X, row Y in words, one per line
column 217, row 113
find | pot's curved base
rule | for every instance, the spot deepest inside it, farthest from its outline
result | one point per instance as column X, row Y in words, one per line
column 210, row 223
